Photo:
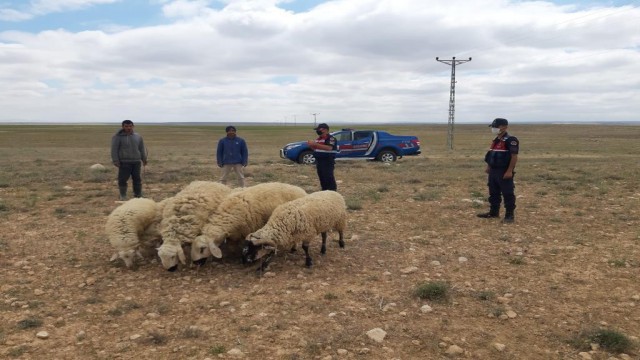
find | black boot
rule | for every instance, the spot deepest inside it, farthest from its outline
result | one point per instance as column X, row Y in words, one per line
column 123, row 193
column 137, row 190
column 509, row 217
column 494, row 212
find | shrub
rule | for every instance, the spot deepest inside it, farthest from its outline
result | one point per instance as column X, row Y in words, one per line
column 435, row 291
column 353, row 204
column 611, row 340
column 29, row 323
column 217, row 349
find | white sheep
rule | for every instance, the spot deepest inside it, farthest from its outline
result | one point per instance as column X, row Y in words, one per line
column 240, row 214
column 298, row 221
column 184, row 216
column 133, row 227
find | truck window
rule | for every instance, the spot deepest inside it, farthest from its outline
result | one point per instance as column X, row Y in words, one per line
column 359, row 135
column 343, row 136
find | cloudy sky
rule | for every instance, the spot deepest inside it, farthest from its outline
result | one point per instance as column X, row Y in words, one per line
column 348, row 61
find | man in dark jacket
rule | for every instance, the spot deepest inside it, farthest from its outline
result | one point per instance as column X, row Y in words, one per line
column 232, row 155
column 501, row 161
column 128, row 154
column 325, row 148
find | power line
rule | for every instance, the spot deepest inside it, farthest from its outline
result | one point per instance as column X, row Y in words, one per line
column 452, row 97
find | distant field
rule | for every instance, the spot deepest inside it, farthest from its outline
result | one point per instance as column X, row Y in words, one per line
column 563, row 277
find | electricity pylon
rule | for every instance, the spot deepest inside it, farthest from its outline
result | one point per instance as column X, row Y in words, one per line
column 452, row 97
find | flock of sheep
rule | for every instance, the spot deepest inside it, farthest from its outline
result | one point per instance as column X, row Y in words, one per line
column 209, row 217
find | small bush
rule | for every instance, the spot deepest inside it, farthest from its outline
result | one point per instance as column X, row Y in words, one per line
column 497, row 311
column 115, row 312
column 435, row 291
column 611, row 340
column 353, row 204
column 217, row 349
column 29, row 323
column 18, row 351
column 618, row 263
column 192, row 332
column 330, row 296
column 427, row 196
column 156, row 338
column 485, row 295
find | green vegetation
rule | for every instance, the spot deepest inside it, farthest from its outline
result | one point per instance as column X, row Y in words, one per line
column 217, row 349
column 353, row 203
column 609, row 340
column 435, row 291
column 29, row 323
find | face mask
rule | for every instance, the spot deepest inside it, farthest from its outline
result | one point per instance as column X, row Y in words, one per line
column 319, row 132
column 495, row 131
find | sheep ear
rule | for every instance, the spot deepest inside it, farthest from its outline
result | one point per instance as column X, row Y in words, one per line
column 114, row 257
column 181, row 256
column 264, row 251
column 215, row 251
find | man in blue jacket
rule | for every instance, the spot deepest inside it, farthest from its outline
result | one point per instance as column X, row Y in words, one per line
column 128, row 154
column 501, row 161
column 232, row 155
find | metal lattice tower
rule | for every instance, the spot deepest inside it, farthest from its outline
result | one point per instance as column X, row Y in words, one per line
column 452, row 97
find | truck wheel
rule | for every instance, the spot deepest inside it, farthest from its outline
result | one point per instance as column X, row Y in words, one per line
column 386, row 156
column 306, row 158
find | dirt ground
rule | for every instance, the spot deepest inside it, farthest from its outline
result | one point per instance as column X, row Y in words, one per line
column 569, row 265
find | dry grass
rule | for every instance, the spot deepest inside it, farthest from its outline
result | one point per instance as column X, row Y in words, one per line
column 569, row 263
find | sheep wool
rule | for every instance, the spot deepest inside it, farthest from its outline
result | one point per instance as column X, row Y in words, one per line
column 184, row 216
column 131, row 226
column 240, row 214
column 298, row 221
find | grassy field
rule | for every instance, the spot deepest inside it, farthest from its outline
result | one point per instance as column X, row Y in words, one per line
column 560, row 283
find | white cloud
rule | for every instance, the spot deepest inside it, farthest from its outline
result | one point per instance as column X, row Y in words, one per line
column 14, row 15
column 350, row 60
column 50, row 6
column 185, row 8
column 37, row 8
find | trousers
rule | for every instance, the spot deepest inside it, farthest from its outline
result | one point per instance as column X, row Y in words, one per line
column 500, row 188
column 325, row 167
column 130, row 170
column 228, row 168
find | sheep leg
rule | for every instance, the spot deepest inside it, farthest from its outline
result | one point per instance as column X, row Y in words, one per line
column 323, row 249
column 308, row 262
column 341, row 240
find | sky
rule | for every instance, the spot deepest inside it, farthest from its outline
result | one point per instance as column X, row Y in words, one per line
column 346, row 61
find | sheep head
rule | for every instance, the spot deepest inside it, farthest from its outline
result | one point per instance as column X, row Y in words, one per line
column 128, row 256
column 203, row 246
column 170, row 255
column 255, row 248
